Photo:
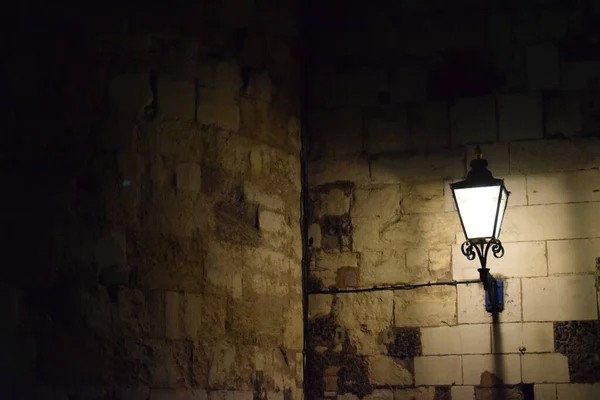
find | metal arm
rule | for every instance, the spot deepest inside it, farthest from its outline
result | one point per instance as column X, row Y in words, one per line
column 481, row 248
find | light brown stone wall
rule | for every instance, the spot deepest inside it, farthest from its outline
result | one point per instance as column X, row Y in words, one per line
column 395, row 118
column 165, row 208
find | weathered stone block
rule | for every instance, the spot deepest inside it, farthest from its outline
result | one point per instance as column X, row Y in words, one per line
column 462, row 339
column 462, row 392
column 169, row 366
column 338, row 132
column 327, row 265
column 380, row 394
column 578, row 341
column 292, row 328
column 430, row 128
column 176, row 98
column 141, row 314
column 523, row 259
column 422, row 393
column 423, row 197
column 409, row 83
column 471, row 306
column 545, row 391
column 573, row 256
column 417, row 230
column 178, row 394
column 554, row 155
column 319, row 305
column 221, row 262
column 580, row 75
column 366, row 234
column 391, row 371
column 563, row 115
column 564, row 187
column 365, row 315
column 520, row 116
column 349, row 169
column 504, row 369
column 263, row 197
column 259, row 87
column 440, row 264
column 130, row 93
column 188, row 177
column 517, row 186
column 438, row 370
column 577, row 391
column 474, row 120
column 376, row 201
column 543, row 67
column 387, row 132
column 334, row 201
column 428, row 306
column 549, row 222
column 218, row 108
column 545, row 368
column 534, row 337
column 439, row 165
column 577, row 299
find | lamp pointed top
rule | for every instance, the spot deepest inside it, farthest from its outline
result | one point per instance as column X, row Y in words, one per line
column 478, row 152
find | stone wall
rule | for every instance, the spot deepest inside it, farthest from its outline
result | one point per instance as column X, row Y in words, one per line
column 395, row 116
column 154, row 203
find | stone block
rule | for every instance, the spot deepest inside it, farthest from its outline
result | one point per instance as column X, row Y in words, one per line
column 474, row 120
column 183, row 315
column 409, row 83
column 440, row 264
column 471, row 303
column 179, row 394
column 361, row 85
column 314, row 234
column 486, row 370
column 449, row 204
column 130, row 93
column 523, row 259
column 520, row 116
column 563, row 115
column 545, row 368
column 562, row 298
column 380, row 394
column 218, row 109
column 263, row 197
column 416, row 230
column 333, row 202
column 259, row 87
column 169, row 367
column 366, row 234
column 517, row 186
column 423, row 197
column 272, row 222
column 327, row 266
column 429, row 126
column 438, row 370
column 543, row 67
column 499, row 27
column 554, row 155
column 329, row 171
column 535, row 337
column 509, row 60
column 580, row 75
column 365, row 315
column 221, row 262
column 462, row 393
column 578, row 391
column 188, row 177
column 564, row 187
column 462, row 339
column 319, row 305
column 545, row 391
column 141, row 314
column 573, row 256
column 382, row 268
column 176, row 98
column 550, row 222
column 496, row 155
column 337, row 132
column 376, row 201
column 428, row 306
column 387, row 131
column 384, row 371
column 422, row 393
column 292, row 326
column 439, row 165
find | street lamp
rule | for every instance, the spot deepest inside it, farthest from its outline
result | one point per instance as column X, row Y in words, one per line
column 481, row 201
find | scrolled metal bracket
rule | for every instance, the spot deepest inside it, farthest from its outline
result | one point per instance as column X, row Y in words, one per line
column 481, row 249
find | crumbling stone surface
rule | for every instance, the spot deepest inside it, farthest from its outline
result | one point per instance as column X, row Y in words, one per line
column 578, row 340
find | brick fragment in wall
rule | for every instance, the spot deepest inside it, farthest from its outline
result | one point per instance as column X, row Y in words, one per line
column 578, row 341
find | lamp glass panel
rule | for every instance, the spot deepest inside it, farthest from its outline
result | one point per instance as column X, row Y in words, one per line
column 501, row 210
column 478, row 208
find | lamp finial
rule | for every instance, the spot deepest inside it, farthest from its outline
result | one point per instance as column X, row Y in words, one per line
column 478, row 152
